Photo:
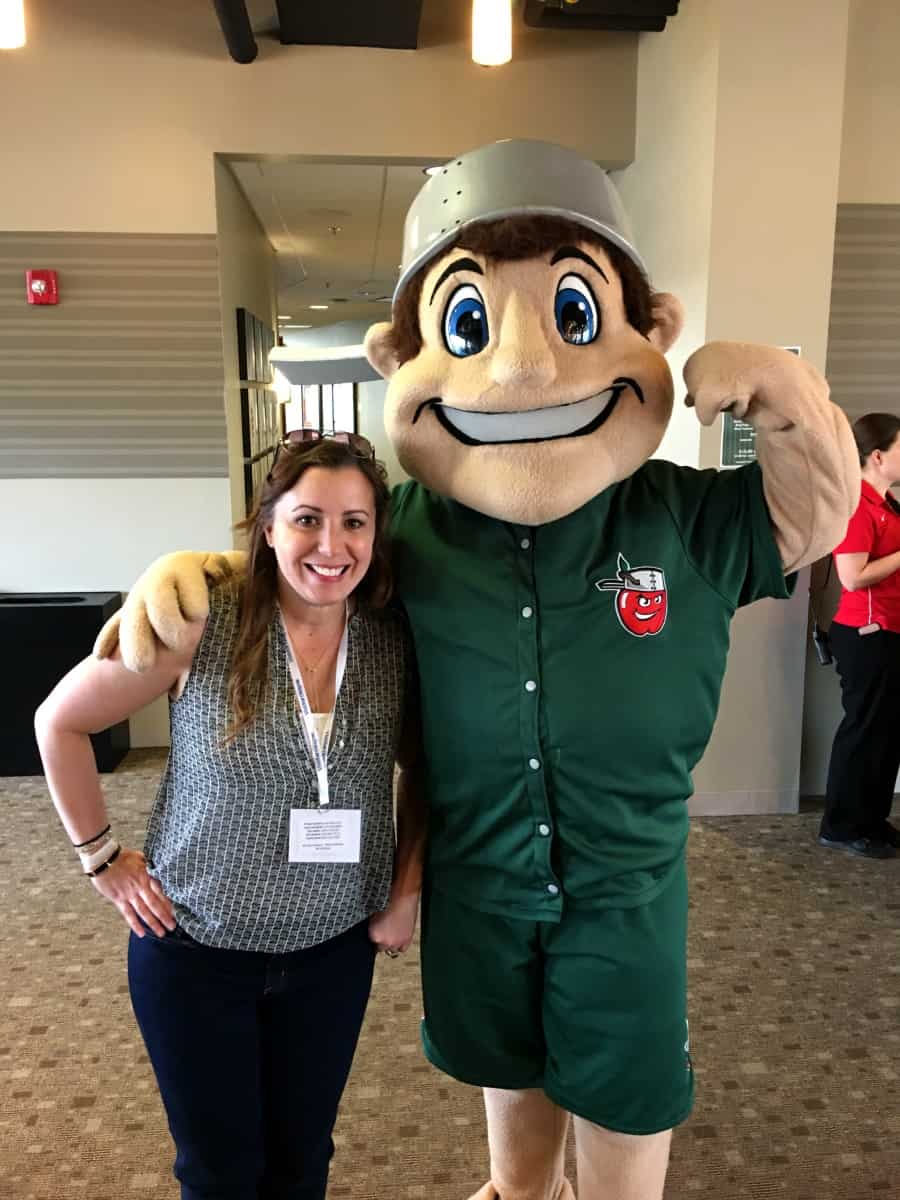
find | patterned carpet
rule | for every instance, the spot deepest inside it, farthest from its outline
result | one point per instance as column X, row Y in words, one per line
column 795, row 1003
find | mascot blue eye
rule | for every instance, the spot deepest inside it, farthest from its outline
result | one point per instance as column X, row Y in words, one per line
column 576, row 313
column 465, row 322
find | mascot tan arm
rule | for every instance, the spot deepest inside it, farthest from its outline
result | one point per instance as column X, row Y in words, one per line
column 171, row 593
column 804, row 444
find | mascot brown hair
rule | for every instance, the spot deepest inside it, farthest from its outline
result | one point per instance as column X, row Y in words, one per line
column 570, row 600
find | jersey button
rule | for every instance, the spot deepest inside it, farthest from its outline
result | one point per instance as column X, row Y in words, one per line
column 534, row 763
column 544, row 830
column 527, row 611
column 530, row 685
column 552, row 889
column 525, row 543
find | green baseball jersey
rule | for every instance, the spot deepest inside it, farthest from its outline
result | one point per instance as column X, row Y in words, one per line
column 570, row 678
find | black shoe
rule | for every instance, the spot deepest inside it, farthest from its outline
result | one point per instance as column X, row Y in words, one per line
column 865, row 847
column 890, row 834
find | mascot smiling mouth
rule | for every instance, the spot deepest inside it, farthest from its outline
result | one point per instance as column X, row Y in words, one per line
column 531, row 425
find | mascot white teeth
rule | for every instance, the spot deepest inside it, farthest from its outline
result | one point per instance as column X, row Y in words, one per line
column 566, row 695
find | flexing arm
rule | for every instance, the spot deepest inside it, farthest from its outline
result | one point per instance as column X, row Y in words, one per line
column 171, row 593
column 92, row 697
column 805, row 448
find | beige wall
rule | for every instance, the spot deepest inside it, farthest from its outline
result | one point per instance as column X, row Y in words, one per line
column 777, row 158
column 775, row 181
column 668, row 190
column 864, row 377
column 246, row 280
column 733, row 194
column 870, row 154
column 127, row 103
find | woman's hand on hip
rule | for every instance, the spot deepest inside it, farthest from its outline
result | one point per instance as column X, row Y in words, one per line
column 136, row 894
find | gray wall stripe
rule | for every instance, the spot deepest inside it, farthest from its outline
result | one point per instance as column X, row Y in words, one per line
column 863, row 364
column 124, row 377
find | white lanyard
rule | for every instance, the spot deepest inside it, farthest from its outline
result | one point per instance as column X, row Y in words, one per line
column 316, row 749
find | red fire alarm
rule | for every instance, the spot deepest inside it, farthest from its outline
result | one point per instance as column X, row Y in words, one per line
column 41, row 287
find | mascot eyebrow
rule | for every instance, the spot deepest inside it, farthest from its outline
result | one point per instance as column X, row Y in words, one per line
column 460, row 264
column 469, row 264
column 574, row 252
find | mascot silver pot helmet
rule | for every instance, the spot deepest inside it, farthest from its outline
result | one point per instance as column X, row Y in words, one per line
column 511, row 178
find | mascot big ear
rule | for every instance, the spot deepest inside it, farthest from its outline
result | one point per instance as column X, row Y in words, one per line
column 379, row 351
column 668, row 321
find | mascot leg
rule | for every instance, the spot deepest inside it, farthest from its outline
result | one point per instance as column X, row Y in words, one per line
column 620, row 1166
column 527, row 1139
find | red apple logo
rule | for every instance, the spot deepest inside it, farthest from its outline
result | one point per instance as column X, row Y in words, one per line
column 642, row 602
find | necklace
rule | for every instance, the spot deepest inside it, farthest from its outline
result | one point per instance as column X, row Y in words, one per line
column 310, row 669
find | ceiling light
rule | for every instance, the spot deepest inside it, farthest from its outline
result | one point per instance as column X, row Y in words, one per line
column 12, row 24
column 284, row 316
column 320, row 307
column 298, row 326
column 491, row 32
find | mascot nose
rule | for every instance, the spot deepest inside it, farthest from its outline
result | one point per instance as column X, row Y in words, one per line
column 523, row 355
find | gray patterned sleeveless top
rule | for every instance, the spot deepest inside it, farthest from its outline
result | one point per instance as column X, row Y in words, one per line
column 217, row 839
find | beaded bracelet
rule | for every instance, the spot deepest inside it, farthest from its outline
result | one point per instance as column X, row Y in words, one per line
column 90, row 841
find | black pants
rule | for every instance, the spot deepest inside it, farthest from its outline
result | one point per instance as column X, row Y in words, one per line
column 865, row 756
column 251, row 1053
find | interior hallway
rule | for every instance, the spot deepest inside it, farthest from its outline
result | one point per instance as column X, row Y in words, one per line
column 795, row 1007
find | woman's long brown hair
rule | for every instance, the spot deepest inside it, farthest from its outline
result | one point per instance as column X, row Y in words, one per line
column 258, row 591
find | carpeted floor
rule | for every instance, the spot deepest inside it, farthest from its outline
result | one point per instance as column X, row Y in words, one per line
column 795, row 1022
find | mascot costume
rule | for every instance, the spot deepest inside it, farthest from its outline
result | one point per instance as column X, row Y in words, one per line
column 570, row 601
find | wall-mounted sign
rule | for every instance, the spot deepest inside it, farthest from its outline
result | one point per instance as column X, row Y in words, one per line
column 738, row 441
column 739, row 437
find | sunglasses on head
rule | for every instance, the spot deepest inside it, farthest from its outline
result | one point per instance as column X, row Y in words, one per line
column 299, row 441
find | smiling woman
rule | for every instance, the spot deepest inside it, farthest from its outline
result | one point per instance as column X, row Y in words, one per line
column 270, row 854
column 317, row 537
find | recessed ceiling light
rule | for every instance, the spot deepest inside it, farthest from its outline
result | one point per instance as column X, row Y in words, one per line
column 284, row 317
column 12, row 25
column 320, row 307
column 491, row 32
column 298, row 326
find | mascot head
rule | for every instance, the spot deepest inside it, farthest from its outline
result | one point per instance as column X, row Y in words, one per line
column 525, row 351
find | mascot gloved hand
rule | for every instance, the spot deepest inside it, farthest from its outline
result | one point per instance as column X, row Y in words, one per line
column 171, row 593
column 570, row 599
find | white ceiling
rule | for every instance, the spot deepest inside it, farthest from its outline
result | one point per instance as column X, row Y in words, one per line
column 337, row 229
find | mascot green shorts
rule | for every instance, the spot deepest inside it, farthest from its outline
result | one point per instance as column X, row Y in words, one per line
column 591, row 1010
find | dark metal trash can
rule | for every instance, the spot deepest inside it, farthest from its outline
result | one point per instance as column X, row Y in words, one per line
column 42, row 636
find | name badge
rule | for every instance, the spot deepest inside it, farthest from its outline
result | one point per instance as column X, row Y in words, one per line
column 329, row 835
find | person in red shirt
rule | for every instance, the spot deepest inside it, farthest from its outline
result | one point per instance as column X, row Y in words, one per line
column 865, row 639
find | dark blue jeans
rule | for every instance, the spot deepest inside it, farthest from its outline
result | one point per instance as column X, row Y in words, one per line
column 251, row 1053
